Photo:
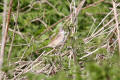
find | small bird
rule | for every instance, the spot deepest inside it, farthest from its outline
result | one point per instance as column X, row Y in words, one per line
column 58, row 40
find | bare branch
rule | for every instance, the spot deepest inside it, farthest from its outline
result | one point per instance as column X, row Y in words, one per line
column 117, row 24
column 3, row 41
column 5, row 30
column 16, row 20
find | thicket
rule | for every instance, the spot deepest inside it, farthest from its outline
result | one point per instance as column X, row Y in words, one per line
column 90, row 50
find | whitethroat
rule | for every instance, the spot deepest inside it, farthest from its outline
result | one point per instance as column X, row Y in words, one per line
column 58, row 40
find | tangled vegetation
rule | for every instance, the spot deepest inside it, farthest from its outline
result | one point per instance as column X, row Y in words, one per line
column 91, row 46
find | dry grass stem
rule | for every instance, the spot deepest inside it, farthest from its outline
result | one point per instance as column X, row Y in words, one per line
column 16, row 24
column 117, row 24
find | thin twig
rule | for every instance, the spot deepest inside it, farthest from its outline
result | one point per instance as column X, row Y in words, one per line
column 17, row 45
column 16, row 20
column 43, row 22
column 17, row 32
column 94, row 4
column 26, row 48
column 90, row 53
column 79, row 8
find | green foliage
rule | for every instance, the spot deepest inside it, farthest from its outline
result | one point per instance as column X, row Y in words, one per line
column 29, row 46
column 35, row 77
column 105, row 71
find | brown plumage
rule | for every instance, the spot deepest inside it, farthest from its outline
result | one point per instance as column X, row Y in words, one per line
column 58, row 40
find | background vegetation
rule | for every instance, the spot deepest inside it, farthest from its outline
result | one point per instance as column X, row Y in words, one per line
column 89, row 53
